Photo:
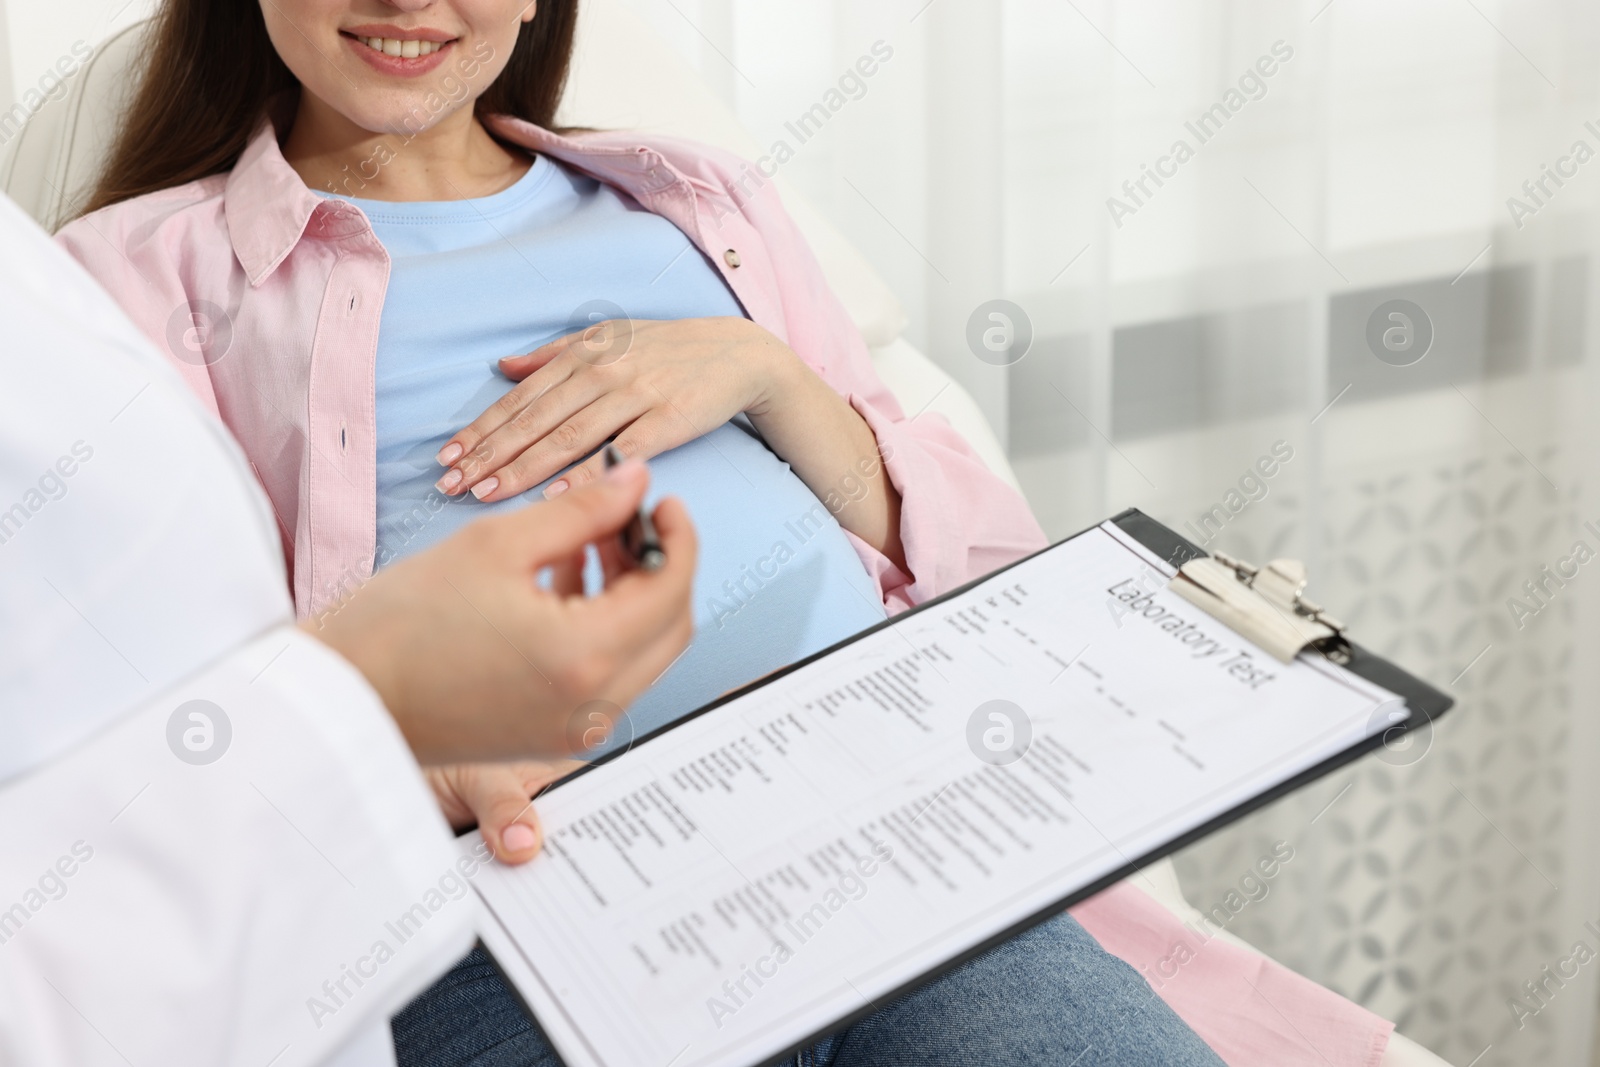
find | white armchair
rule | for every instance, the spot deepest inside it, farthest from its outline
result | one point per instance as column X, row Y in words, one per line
column 624, row 77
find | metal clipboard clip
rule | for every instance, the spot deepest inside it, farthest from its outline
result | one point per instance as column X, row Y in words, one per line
column 1264, row 604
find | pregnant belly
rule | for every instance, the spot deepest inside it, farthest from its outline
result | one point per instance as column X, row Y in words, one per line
column 777, row 579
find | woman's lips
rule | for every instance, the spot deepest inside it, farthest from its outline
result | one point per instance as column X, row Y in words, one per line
column 384, row 60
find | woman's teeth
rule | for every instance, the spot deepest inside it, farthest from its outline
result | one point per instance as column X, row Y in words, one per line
column 389, row 46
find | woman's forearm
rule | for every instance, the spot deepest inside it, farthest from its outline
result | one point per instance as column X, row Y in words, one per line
column 834, row 452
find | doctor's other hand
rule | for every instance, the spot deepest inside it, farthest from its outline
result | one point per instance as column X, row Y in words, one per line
column 496, row 797
column 477, row 662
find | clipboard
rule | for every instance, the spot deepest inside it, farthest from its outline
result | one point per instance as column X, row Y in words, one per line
column 1251, row 608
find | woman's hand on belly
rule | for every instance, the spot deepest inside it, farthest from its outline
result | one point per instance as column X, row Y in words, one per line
column 497, row 798
column 652, row 386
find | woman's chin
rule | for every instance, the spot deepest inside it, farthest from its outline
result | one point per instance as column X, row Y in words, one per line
column 401, row 115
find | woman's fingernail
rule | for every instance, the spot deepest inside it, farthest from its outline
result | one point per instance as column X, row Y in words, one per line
column 555, row 489
column 449, row 453
column 447, row 484
column 518, row 837
column 485, row 487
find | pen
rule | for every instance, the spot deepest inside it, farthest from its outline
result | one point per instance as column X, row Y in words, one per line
column 639, row 541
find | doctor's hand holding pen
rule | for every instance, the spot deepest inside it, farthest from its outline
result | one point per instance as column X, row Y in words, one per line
column 482, row 667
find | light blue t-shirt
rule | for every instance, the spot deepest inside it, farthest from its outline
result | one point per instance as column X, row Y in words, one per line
column 474, row 280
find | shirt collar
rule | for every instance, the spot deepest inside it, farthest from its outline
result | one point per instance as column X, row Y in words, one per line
column 618, row 158
column 266, row 204
column 269, row 208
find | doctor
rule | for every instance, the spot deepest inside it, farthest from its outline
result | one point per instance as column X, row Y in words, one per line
column 215, row 843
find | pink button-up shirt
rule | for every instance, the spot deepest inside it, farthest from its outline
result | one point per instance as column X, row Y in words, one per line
column 287, row 288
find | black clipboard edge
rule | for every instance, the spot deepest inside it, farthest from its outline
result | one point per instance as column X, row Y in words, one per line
column 1425, row 703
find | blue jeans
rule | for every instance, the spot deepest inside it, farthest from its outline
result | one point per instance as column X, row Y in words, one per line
column 1050, row 996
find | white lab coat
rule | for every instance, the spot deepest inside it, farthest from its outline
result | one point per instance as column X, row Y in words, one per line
column 155, row 910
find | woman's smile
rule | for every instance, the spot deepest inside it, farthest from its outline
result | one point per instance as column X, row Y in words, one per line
column 432, row 60
column 394, row 51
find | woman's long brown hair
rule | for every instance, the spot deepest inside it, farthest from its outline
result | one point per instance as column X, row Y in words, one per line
column 209, row 71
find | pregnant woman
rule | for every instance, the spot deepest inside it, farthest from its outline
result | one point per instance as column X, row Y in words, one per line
column 341, row 217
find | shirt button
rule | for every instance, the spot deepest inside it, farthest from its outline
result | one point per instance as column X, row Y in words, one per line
column 731, row 258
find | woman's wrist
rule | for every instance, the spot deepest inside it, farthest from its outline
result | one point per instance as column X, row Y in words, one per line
column 780, row 381
column 827, row 444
